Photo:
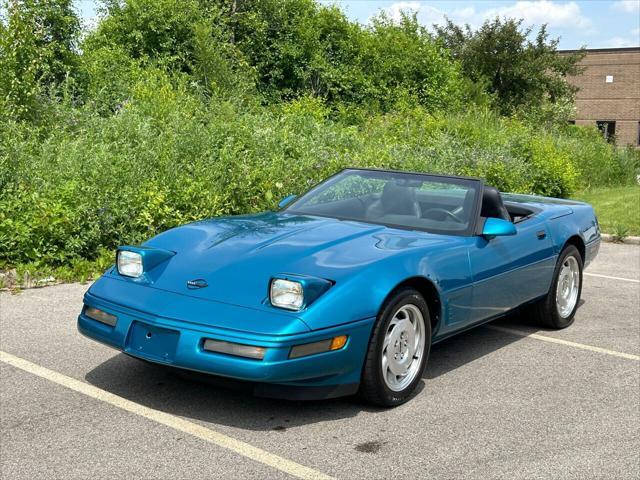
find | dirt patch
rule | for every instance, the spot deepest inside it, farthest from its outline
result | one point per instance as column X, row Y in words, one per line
column 369, row 447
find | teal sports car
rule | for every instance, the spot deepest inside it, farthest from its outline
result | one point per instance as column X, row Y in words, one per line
column 345, row 289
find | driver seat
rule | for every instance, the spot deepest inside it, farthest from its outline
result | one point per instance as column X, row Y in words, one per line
column 395, row 200
column 492, row 206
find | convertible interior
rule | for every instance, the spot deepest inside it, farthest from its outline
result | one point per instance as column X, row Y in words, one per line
column 439, row 209
column 494, row 207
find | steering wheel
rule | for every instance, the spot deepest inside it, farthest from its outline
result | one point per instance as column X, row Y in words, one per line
column 447, row 213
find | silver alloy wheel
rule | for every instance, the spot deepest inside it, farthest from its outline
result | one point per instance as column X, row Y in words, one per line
column 403, row 347
column 568, row 286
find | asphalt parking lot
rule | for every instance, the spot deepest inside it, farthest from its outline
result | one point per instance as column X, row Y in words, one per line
column 506, row 400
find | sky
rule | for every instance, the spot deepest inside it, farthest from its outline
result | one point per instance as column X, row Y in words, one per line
column 578, row 23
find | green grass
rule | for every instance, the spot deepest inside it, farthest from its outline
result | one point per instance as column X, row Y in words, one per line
column 27, row 275
column 618, row 208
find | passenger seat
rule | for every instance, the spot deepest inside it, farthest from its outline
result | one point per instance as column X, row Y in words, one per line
column 492, row 206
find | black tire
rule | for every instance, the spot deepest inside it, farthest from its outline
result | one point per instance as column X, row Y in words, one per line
column 545, row 312
column 373, row 388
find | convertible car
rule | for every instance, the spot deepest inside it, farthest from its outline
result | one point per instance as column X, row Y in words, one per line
column 345, row 289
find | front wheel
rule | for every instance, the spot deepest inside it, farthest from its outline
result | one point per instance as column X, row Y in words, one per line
column 558, row 308
column 398, row 350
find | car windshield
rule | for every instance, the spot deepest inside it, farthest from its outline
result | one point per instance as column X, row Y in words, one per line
column 406, row 200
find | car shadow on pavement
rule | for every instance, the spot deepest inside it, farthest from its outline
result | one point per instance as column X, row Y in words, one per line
column 192, row 396
column 465, row 347
column 196, row 397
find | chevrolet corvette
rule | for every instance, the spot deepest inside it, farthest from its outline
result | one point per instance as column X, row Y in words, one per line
column 344, row 289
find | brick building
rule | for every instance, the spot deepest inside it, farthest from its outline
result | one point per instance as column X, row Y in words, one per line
column 609, row 95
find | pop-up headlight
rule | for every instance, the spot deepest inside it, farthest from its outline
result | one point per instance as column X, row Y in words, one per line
column 135, row 262
column 129, row 263
column 295, row 292
column 286, row 294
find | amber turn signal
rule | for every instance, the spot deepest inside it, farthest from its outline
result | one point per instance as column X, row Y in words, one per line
column 335, row 343
column 338, row 342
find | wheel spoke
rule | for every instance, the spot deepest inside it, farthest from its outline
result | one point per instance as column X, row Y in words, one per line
column 411, row 341
column 391, row 378
column 562, row 301
column 385, row 343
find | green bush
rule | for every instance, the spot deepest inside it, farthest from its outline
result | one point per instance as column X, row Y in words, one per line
column 172, row 111
column 600, row 164
column 168, row 156
column 285, row 49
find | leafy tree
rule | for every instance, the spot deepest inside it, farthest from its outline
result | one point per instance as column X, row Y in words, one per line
column 38, row 52
column 184, row 37
column 401, row 59
column 301, row 48
column 149, row 29
column 286, row 49
column 518, row 72
column 296, row 46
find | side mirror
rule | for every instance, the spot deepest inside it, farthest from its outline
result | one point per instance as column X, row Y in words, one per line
column 286, row 201
column 497, row 227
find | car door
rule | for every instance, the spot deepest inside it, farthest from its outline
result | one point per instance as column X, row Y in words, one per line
column 510, row 270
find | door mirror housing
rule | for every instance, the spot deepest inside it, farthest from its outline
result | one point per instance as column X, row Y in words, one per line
column 497, row 227
column 286, row 201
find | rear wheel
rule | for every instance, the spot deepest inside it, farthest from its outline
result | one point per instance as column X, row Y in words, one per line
column 398, row 350
column 558, row 308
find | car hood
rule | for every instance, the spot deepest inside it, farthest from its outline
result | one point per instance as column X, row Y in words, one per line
column 237, row 256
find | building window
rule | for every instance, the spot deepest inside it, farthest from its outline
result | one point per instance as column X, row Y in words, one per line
column 608, row 79
column 639, row 134
column 608, row 129
column 571, row 122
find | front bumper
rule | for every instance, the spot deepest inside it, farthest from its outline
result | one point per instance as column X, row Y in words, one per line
column 179, row 343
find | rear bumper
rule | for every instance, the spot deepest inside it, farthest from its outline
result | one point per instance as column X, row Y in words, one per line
column 179, row 343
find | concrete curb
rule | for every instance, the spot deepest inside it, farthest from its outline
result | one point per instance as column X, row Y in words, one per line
column 607, row 237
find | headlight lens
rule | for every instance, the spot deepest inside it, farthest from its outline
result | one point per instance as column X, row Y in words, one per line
column 129, row 263
column 286, row 294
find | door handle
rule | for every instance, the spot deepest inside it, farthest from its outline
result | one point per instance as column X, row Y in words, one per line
column 541, row 234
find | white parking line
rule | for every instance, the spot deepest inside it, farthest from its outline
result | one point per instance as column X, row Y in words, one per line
column 632, row 280
column 545, row 338
column 172, row 421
